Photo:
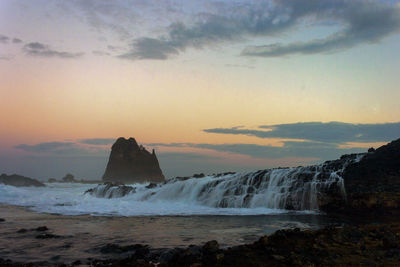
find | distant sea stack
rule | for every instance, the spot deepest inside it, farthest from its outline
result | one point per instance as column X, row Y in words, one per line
column 131, row 163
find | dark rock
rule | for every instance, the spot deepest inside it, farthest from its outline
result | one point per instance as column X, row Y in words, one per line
column 372, row 184
column 151, row 185
column 139, row 250
column 199, row 175
column 52, row 180
column 47, row 236
column 77, row 262
column 69, row 178
column 18, row 180
column 111, row 190
column 371, row 149
column 2, row 220
column 131, row 163
column 22, row 230
column 41, row 229
column 211, row 246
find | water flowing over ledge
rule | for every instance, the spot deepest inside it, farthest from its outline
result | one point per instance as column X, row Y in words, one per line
column 299, row 188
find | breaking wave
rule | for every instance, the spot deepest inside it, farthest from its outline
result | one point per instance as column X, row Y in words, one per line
column 270, row 191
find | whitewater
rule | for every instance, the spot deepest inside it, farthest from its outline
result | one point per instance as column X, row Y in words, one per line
column 69, row 199
column 264, row 192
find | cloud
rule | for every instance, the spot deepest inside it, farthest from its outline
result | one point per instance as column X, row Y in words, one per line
column 239, row 66
column 361, row 22
column 289, row 149
column 42, row 50
column 97, row 141
column 4, row 39
column 367, row 23
column 5, row 57
column 16, row 41
column 45, row 147
column 330, row 132
column 63, row 149
column 100, row 53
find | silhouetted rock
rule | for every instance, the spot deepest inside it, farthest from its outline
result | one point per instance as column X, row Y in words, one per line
column 18, row 180
column 369, row 245
column 52, row 180
column 131, row 163
column 372, row 184
column 198, row 175
column 68, row 178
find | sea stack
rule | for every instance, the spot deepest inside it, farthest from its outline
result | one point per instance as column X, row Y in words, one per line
column 131, row 163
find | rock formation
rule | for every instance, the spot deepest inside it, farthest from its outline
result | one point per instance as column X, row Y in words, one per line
column 372, row 184
column 131, row 163
column 18, row 180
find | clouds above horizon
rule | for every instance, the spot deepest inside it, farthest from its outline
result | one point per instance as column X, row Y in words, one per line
column 4, row 39
column 329, row 132
column 316, row 142
column 65, row 149
column 42, row 50
column 359, row 21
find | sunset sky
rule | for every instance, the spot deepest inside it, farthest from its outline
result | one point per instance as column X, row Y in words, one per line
column 213, row 86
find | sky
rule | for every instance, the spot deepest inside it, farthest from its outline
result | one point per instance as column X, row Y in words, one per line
column 212, row 86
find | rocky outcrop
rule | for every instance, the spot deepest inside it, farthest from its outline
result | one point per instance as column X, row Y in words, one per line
column 131, row 163
column 372, row 184
column 368, row 245
column 18, row 180
column 110, row 190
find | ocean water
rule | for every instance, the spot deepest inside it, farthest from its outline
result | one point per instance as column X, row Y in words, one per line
column 69, row 199
column 85, row 223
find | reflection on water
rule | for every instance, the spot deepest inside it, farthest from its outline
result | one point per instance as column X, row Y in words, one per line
column 83, row 235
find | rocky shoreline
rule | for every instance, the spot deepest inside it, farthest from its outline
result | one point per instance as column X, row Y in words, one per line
column 364, row 244
column 372, row 238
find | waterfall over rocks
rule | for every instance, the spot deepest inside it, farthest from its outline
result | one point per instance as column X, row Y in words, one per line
column 298, row 188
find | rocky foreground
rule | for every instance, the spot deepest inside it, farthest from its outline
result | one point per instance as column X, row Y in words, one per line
column 366, row 245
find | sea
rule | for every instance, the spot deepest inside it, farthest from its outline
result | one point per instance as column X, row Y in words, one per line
column 84, row 223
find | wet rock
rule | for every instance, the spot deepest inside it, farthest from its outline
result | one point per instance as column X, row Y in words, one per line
column 199, row 175
column 117, row 249
column 41, row 228
column 2, row 220
column 47, row 236
column 151, row 185
column 372, row 185
column 111, row 190
column 77, row 262
column 211, row 247
column 22, row 230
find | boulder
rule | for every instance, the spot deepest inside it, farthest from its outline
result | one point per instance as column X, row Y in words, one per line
column 131, row 163
column 18, row 180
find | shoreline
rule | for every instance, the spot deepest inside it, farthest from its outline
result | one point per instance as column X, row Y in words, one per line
column 69, row 238
column 367, row 244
